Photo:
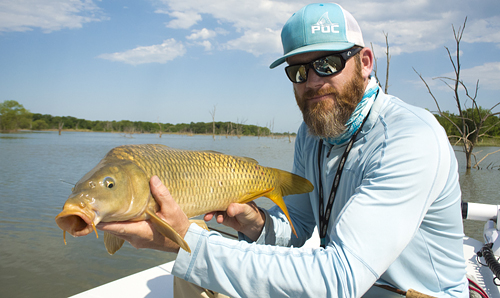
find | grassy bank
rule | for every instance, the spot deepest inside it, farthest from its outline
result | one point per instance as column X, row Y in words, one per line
column 483, row 142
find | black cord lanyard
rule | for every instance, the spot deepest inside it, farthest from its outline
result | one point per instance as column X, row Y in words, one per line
column 324, row 215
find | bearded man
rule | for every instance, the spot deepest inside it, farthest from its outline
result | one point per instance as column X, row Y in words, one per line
column 386, row 200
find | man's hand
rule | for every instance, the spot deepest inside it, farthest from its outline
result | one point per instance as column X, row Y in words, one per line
column 245, row 218
column 142, row 234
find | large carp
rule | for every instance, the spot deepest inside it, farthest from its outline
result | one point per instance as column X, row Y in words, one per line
column 117, row 189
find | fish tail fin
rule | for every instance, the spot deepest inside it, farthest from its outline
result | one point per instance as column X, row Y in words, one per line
column 112, row 243
column 166, row 230
column 289, row 184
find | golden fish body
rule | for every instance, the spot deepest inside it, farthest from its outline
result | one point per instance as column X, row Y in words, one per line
column 117, row 189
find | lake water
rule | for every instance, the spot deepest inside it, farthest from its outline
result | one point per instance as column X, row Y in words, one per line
column 34, row 262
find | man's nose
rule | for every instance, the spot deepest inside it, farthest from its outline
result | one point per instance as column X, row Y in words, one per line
column 313, row 80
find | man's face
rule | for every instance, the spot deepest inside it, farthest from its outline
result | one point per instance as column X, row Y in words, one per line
column 328, row 102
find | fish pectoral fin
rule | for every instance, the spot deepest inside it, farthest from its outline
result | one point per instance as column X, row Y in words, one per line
column 254, row 195
column 200, row 222
column 112, row 243
column 278, row 200
column 166, row 230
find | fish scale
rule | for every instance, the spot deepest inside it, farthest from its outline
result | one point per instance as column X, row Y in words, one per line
column 199, row 181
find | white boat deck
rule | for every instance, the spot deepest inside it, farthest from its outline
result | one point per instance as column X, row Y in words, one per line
column 151, row 283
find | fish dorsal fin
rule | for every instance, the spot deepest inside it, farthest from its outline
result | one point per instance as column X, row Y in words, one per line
column 211, row 151
column 247, row 159
column 166, row 230
column 112, row 243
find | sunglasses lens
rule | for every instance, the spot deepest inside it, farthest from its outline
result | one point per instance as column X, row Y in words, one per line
column 296, row 73
column 328, row 65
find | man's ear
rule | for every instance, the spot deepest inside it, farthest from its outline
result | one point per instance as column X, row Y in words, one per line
column 366, row 57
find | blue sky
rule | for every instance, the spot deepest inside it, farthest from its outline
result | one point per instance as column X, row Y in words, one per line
column 175, row 61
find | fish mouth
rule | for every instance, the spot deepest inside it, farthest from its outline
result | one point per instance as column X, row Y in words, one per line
column 76, row 221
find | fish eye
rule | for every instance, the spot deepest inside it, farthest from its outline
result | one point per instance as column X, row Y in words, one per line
column 109, row 182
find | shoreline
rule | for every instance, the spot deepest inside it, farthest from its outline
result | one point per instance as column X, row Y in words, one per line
column 274, row 135
column 485, row 142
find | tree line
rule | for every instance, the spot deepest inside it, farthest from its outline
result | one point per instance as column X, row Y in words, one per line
column 13, row 116
column 471, row 116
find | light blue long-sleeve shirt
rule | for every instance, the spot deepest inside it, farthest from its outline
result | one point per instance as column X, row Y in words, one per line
column 396, row 220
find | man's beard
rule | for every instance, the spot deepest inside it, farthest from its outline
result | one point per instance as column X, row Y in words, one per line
column 327, row 118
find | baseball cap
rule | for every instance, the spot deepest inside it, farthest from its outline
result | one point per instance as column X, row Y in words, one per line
column 319, row 27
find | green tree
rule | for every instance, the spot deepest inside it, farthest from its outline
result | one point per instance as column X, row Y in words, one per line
column 39, row 124
column 14, row 116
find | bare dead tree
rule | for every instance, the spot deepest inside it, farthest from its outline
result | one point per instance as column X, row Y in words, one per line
column 212, row 112
column 470, row 126
column 239, row 126
column 271, row 128
column 478, row 162
column 161, row 128
column 388, row 61
column 61, row 125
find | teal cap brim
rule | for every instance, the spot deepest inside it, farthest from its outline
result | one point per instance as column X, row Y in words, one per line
column 333, row 47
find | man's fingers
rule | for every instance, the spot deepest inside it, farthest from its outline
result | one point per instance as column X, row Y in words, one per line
column 209, row 216
column 220, row 217
column 159, row 190
column 235, row 209
column 121, row 228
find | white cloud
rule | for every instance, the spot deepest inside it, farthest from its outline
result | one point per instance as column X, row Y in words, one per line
column 258, row 22
column 48, row 15
column 183, row 20
column 422, row 25
column 202, row 34
column 488, row 75
column 483, row 30
column 413, row 25
column 162, row 53
column 206, row 44
column 257, row 42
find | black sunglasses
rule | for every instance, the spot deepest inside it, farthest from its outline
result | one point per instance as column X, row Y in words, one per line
column 323, row 67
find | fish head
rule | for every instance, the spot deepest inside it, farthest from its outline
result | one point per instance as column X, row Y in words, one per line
column 112, row 191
